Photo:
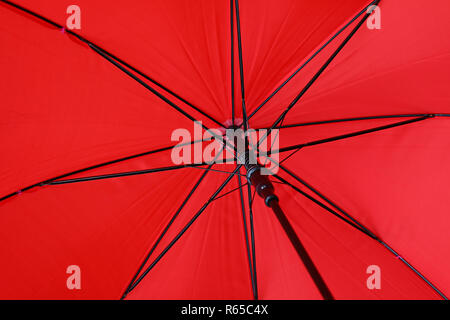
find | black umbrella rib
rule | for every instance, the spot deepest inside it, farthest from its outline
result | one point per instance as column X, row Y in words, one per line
column 241, row 74
column 114, row 60
column 100, row 165
column 247, row 244
column 221, row 171
column 38, row 16
column 142, row 83
column 134, row 173
column 233, row 111
column 351, row 135
column 310, row 59
column 185, row 228
column 164, row 232
column 241, row 66
column 252, row 239
column 349, row 120
column 159, row 95
column 321, row 122
column 354, row 223
column 81, row 38
column 417, row 272
column 166, row 229
column 307, row 185
column 121, row 174
column 319, row 73
column 323, row 206
column 229, row 192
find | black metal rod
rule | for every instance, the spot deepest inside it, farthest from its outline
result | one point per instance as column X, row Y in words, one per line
column 323, row 206
column 241, row 66
column 353, row 222
column 356, row 224
column 317, row 74
column 290, row 155
column 100, row 165
column 233, row 115
column 351, row 135
column 81, row 38
column 301, row 251
column 123, row 67
column 159, row 95
column 229, row 192
column 310, row 59
column 141, row 82
column 134, row 173
column 185, row 228
column 313, row 123
column 185, row 201
column 121, row 174
column 247, row 244
column 253, row 242
column 417, row 272
column 220, row 171
column 164, row 232
column 347, row 119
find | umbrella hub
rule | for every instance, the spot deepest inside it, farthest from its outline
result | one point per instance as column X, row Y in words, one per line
column 262, row 184
column 259, row 181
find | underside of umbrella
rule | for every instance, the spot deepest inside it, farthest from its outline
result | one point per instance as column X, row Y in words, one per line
column 362, row 116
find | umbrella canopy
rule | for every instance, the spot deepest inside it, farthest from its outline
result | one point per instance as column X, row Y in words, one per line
column 87, row 177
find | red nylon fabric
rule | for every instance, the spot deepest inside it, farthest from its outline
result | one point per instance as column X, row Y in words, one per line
column 65, row 108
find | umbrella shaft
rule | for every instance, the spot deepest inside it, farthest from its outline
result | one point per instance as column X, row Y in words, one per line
column 266, row 190
column 262, row 184
column 301, row 251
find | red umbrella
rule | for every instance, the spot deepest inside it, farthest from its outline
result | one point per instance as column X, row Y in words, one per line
column 92, row 205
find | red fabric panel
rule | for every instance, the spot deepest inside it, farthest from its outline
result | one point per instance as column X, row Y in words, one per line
column 210, row 260
column 341, row 253
column 105, row 227
column 278, row 35
column 394, row 182
column 182, row 44
column 65, row 108
column 401, row 68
